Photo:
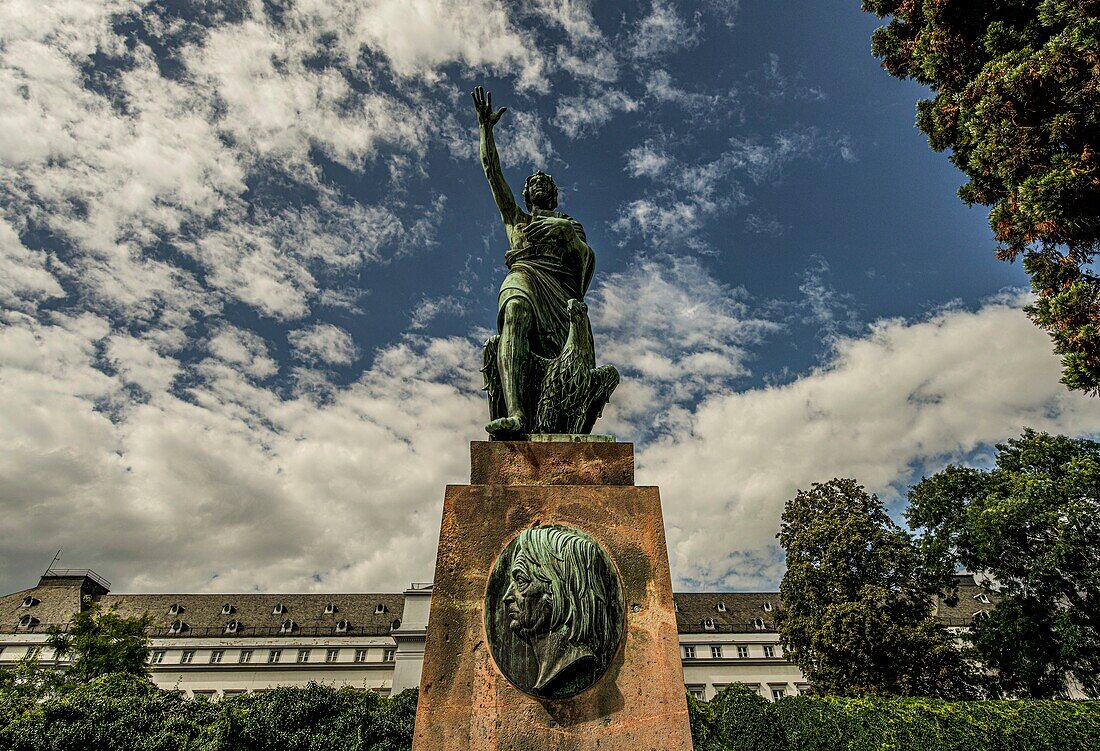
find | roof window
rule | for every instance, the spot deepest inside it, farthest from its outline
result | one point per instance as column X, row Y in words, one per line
column 288, row 626
column 279, row 609
column 341, row 627
column 380, row 608
column 982, row 597
column 330, row 608
column 178, row 627
column 28, row 621
column 767, row 606
column 233, row 626
column 721, row 607
column 175, row 609
column 227, row 608
column 758, row 624
column 30, row 602
column 708, row 624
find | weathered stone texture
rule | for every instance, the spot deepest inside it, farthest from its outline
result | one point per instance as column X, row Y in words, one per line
column 466, row 704
column 529, row 463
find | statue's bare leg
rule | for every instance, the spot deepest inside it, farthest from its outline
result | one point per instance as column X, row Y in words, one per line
column 513, row 353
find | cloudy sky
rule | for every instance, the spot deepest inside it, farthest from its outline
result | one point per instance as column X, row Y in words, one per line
column 247, row 258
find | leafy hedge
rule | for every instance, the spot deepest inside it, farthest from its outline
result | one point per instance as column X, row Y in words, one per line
column 740, row 720
column 128, row 713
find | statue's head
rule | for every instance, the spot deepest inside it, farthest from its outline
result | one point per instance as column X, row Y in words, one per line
column 539, row 191
column 559, row 583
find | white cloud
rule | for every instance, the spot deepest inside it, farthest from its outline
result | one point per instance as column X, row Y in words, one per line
column 243, row 350
column 907, row 394
column 585, row 114
column 526, row 144
column 24, row 274
column 662, row 31
column 324, row 343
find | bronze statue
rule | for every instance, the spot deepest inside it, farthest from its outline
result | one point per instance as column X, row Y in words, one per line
column 550, row 266
column 554, row 611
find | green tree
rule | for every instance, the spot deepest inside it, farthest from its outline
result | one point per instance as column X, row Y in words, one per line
column 857, row 613
column 1032, row 522
column 1017, row 102
column 100, row 642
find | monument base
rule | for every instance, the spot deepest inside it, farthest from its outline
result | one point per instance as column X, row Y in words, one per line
column 466, row 703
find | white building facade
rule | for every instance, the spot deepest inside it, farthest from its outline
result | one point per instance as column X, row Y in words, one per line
column 224, row 644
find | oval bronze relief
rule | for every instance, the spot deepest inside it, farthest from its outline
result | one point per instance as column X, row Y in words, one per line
column 553, row 611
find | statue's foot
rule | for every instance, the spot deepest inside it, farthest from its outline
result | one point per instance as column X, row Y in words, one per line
column 504, row 427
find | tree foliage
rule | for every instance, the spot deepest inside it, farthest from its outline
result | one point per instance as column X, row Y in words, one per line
column 1032, row 522
column 99, row 642
column 857, row 608
column 1017, row 102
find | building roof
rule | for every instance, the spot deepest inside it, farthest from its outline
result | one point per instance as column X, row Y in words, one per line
column 56, row 598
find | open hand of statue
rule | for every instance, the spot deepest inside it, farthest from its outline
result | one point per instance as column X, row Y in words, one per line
column 547, row 227
column 483, row 103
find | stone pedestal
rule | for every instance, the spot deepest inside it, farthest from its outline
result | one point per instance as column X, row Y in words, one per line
column 466, row 703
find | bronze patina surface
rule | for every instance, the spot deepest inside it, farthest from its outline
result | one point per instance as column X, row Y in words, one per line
column 540, row 370
column 536, row 463
column 553, row 611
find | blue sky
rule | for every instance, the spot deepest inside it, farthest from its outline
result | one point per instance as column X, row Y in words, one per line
column 247, row 257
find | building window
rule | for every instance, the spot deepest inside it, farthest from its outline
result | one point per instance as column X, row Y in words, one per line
column 33, row 652
column 360, row 655
column 29, row 602
column 697, row 692
column 767, row 607
column 1, row 652
column 245, row 656
column 278, row 609
column 716, row 651
column 341, row 627
column 721, row 607
column 689, row 651
column 187, row 656
column 676, row 606
column 229, row 692
column 303, row 655
column 380, row 608
column 178, row 627
column 769, row 651
column 175, row 609
column 157, row 657
column 216, row 656
column 227, row 609
column 778, row 693
column 274, row 655
column 982, row 597
column 758, row 624
column 28, row 621
column 330, row 608
column 288, row 626
column 331, row 655
column 206, row 694
column 708, row 624
column 233, row 626
column 388, row 655
column 802, row 688
column 742, row 652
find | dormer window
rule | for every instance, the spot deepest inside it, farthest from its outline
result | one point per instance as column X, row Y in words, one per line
column 982, row 597
column 288, row 626
column 767, row 607
column 279, row 609
column 341, row 627
column 380, row 608
column 980, row 615
column 758, row 624
column 28, row 621
column 233, row 626
column 227, row 609
column 330, row 608
column 721, row 607
column 676, row 606
column 175, row 609
column 178, row 627
column 395, row 624
column 29, row 602
column 708, row 624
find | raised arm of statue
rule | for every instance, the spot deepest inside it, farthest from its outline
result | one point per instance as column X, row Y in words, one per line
column 490, row 160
